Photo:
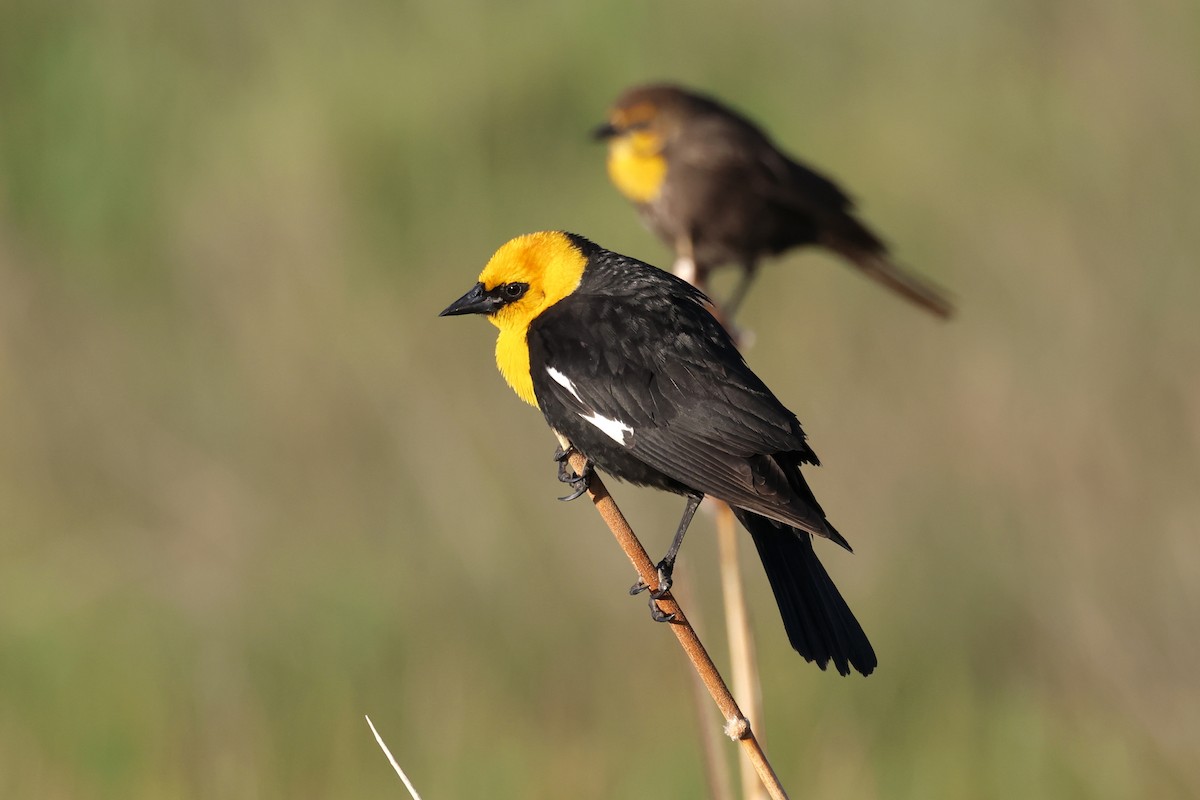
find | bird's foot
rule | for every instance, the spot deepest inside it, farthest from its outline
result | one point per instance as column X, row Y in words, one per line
column 658, row 615
column 567, row 475
column 665, row 570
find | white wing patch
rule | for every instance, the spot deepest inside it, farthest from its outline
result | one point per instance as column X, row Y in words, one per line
column 613, row 428
column 565, row 382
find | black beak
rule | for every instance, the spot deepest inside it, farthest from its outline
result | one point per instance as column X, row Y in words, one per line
column 476, row 301
column 603, row 132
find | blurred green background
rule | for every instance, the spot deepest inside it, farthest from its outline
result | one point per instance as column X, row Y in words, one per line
column 251, row 488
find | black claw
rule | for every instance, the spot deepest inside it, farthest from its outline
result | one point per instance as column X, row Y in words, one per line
column 658, row 615
column 578, row 483
column 565, row 473
column 579, row 487
column 665, row 570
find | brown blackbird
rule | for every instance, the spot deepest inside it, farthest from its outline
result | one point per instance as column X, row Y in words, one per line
column 715, row 188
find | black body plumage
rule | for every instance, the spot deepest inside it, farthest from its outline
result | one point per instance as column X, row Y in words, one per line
column 642, row 379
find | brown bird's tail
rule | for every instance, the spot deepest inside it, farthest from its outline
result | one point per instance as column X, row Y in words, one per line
column 876, row 264
column 818, row 622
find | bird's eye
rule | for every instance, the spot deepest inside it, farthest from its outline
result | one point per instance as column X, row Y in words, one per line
column 513, row 291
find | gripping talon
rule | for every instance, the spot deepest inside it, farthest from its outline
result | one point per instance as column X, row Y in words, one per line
column 562, row 458
column 579, row 486
column 578, row 483
column 665, row 570
column 658, row 615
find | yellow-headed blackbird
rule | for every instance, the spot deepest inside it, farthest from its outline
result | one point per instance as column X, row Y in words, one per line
column 626, row 362
column 714, row 187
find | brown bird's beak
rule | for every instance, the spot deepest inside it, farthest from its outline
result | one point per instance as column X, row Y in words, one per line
column 476, row 301
column 604, row 132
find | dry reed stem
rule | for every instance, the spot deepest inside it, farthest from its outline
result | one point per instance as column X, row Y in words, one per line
column 737, row 727
column 716, row 768
column 744, row 664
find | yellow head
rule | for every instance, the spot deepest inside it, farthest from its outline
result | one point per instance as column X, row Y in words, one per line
column 525, row 277
column 639, row 126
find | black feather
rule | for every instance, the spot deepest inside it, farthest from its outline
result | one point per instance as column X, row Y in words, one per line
column 683, row 412
column 818, row 622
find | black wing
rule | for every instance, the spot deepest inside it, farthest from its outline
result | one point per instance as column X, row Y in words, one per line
column 632, row 365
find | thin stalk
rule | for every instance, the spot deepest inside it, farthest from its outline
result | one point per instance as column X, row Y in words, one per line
column 716, row 768
column 737, row 727
column 744, row 665
column 741, row 641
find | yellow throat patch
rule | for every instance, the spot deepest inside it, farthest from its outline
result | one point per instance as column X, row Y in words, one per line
column 552, row 266
column 636, row 165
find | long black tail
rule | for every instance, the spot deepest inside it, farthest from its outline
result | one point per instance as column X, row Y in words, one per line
column 819, row 624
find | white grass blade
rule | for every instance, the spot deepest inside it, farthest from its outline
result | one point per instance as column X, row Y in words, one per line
column 407, row 784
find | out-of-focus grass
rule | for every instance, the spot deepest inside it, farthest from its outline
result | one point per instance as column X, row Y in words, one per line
column 251, row 488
